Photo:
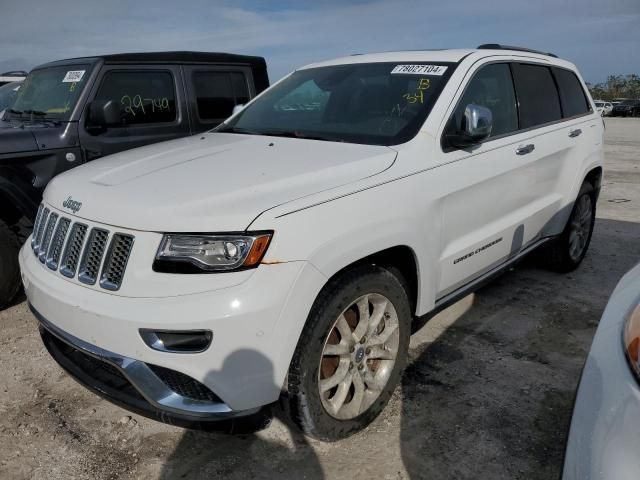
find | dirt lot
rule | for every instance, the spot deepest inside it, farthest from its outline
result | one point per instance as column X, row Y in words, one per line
column 488, row 393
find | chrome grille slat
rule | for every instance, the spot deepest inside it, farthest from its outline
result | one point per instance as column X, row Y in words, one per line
column 46, row 239
column 116, row 261
column 92, row 256
column 79, row 251
column 57, row 242
column 40, row 231
column 36, row 224
column 72, row 250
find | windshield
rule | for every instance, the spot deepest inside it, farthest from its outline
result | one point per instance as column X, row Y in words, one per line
column 8, row 93
column 599, row 104
column 368, row 103
column 51, row 92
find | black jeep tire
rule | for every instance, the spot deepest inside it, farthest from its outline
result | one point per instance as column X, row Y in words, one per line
column 565, row 253
column 303, row 400
column 9, row 268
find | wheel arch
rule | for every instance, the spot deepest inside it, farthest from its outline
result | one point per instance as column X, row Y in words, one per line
column 594, row 177
column 17, row 198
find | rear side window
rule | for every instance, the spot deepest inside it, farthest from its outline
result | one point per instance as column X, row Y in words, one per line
column 144, row 96
column 218, row 92
column 572, row 96
column 492, row 87
column 537, row 95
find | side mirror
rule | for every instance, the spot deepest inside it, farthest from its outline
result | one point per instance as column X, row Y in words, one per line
column 475, row 127
column 237, row 108
column 103, row 114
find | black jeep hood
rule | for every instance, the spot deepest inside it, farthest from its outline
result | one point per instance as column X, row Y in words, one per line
column 15, row 139
column 19, row 137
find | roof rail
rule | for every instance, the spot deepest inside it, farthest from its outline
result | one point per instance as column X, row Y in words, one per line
column 497, row 46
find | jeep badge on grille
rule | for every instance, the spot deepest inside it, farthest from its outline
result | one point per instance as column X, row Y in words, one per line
column 72, row 204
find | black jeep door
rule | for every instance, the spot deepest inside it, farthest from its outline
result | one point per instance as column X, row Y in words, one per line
column 152, row 109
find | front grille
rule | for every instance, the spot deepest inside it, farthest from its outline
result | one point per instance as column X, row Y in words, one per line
column 65, row 246
column 184, row 385
column 72, row 251
column 37, row 234
column 46, row 239
column 36, row 226
column 116, row 261
column 92, row 256
column 57, row 242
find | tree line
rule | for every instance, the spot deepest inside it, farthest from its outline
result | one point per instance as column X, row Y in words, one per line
column 616, row 86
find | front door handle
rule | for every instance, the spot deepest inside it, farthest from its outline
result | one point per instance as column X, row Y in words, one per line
column 524, row 149
column 575, row 133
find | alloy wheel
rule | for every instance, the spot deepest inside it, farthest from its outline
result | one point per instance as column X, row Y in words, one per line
column 580, row 227
column 358, row 356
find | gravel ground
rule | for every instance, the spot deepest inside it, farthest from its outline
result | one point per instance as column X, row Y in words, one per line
column 488, row 393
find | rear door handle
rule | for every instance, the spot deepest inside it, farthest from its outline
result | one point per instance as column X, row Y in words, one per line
column 575, row 133
column 524, row 149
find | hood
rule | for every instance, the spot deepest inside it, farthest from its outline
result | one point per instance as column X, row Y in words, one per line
column 214, row 182
column 14, row 138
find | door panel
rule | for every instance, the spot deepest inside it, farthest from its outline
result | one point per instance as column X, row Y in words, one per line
column 486, row 212
column 146, row 95
column 505, row 192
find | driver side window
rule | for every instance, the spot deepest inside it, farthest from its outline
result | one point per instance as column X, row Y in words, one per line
column 492, row 87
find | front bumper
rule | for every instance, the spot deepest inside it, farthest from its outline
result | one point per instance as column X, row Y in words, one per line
column 132, row 384
column 256, row 325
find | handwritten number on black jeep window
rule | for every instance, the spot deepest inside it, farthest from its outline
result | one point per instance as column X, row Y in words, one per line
column 144, row 97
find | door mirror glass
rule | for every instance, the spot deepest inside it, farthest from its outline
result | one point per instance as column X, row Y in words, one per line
column 476, row 125
column 104, row 113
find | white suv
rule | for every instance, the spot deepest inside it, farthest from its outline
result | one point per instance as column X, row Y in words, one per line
column 287, row 254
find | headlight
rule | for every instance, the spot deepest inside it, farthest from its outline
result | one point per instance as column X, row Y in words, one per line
column 631, row 339
column 180, row 253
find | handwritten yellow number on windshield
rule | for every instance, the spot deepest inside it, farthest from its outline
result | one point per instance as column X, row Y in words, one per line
column 418, row 95
column 423, row 84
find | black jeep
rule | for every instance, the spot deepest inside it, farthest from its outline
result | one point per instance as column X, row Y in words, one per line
column 73, row 111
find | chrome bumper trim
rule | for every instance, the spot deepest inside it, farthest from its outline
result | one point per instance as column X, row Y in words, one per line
column 145, row 381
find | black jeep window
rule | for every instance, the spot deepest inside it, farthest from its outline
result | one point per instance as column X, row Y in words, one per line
column 492, row 87
column 218, row 92
column 574, row 101
column 144, row 96
column 537, row 94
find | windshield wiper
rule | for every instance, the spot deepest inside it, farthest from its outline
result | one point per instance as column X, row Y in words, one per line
column 246, row 131
column 35, row 112
column 295, row 134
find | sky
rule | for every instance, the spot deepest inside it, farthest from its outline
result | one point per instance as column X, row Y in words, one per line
column 601, row 36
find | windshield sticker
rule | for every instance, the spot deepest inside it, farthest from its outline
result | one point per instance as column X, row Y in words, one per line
column 73, row 76
column 17, row 88
column 420, row 69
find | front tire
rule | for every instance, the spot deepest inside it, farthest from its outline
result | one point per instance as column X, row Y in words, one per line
column 350, row 355
column 566, row 252
column 9, row 268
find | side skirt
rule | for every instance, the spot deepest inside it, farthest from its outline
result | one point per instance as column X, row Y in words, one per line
column 475, row 284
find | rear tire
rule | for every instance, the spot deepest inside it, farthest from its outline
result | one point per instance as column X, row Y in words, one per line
column 9, row 268
column 566, row 252
column 357, row 331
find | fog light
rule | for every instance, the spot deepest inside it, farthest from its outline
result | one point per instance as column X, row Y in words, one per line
column 177, row 341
